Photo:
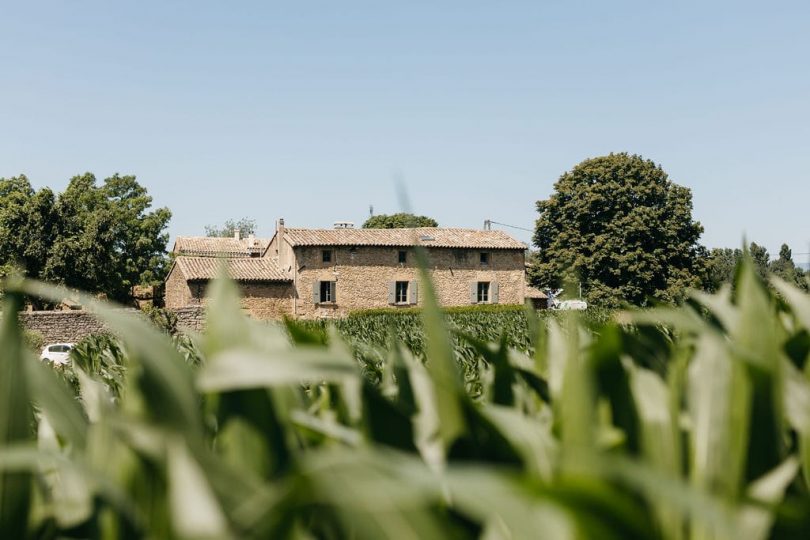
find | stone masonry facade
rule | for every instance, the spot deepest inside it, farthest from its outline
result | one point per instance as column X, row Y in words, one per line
column 322, row 273
column 364, row 276
column 260, row 300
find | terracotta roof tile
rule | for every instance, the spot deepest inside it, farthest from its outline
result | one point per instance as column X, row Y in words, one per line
column 206, row 246
column 424, row 236
column 532, row 292
column 240, row 268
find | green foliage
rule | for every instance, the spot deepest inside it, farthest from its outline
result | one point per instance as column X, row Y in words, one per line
column 573, row 437
column 721, row 264
column 398, row 221
column 33, row 340
column 618, row 225
column 245, row 227
column 101, row 239
column 163, row 318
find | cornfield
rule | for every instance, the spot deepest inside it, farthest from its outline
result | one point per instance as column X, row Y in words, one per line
column 690, row 422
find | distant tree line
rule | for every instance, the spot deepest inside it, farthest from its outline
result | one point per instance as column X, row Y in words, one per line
column 721, row 263
column 245, row 226
column 98, row 238
column 399, row 221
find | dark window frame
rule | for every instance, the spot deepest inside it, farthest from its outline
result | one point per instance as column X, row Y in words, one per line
column 402, row 292
column 327, row 295
column 402, row 256
column 484, row 292
column 484, row 257
column 326, row 255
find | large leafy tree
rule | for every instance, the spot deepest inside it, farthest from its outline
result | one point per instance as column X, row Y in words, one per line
column 399, row 221
column 98, row 238
column 617, row 225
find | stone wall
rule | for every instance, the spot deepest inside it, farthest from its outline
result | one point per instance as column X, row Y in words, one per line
column 190, row 318
column 178, row 292
column 62, row 326
column 260, row 300
column 363, row 277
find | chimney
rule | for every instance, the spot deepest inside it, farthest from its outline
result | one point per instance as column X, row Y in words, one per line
column 236, row 234
column 280, row 227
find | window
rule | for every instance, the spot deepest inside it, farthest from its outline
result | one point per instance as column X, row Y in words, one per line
column 401, row 296
column 327, row 292
column 484, row 258
column 483, row 292
column 403, row 257
column 326, row 255
column 403, row 292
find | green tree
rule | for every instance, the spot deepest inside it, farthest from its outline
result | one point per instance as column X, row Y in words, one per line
column 100, row 239
column 618, row 225
column 785, row 268
column 399, row 221
column 27, row 224
column 245, row 227
column 720, row 266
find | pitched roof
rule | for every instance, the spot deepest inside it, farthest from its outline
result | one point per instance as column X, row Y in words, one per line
column 533, row 292
column 206, row 246
column 239, row 268
column 424, row 236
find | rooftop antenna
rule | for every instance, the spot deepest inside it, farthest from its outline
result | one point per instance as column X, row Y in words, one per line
column 487, row 225
column 371, row 210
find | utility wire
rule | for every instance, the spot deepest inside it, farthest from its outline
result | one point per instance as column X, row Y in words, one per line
column 507, row 225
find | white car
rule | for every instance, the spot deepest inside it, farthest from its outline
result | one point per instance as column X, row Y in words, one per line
column 576, row 305
column 57, row 353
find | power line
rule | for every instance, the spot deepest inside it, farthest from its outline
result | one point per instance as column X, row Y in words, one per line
column 489, row 222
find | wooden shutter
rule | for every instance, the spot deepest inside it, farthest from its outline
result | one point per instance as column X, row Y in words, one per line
column 474, row 292
column 413, row 292
column 333, row 287
column 316, row 292
column 493, row 292
column 392, row 292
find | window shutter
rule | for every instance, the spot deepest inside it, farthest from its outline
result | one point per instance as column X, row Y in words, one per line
column 474, row 292
column 413, row 292
column 316, row 292
column 333, row 286
column 392, row 292
column 493, row 292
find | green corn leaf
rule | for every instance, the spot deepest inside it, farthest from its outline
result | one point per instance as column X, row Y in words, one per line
column 57, row 402
column 166, row 380
column 195, row 510
column 441, row 362
column 756, row 521
column 16, row 418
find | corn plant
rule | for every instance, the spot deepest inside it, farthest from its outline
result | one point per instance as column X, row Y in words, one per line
column 688, row 422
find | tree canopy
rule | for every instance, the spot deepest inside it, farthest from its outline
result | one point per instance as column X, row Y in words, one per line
column 245, row 227
column 399, row 221
column 722, row 262
column 620, row 227
column 98, row 238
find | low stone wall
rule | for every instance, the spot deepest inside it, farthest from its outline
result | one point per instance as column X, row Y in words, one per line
column 61, row 326
column 190, row 318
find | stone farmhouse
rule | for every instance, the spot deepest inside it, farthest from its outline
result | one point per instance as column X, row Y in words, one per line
column 316, row 273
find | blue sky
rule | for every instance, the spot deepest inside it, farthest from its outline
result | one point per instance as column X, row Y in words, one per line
column 310, row 110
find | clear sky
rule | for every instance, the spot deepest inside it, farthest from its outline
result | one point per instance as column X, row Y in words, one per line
column 309, row 110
